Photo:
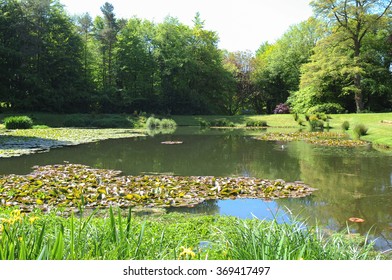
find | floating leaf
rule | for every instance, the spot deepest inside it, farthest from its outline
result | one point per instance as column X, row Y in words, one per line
column 356, row 220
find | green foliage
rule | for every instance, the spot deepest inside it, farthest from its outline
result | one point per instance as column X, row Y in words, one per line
column 113, row 65
column 122, row 235
column 154, row 123
column 327, row 108
column 18, row 122
column 221, row 123
column 360, row 130
column 260, row 240
column 345, row 125
column 204, row 123
column 102, row 121
column 168, row 123
column 256, row 123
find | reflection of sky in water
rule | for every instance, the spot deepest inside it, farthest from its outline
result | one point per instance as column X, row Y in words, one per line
column 253, row 208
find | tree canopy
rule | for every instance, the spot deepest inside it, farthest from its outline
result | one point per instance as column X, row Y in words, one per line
column 339, row 60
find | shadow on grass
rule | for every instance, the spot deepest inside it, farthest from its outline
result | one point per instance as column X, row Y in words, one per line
column 22, row 145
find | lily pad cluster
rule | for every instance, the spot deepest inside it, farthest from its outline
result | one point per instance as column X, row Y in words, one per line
column 29, row 141
column 72, row 186
column 316, row 138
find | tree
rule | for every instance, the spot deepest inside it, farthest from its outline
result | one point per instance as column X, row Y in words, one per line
column 44, row 66
column 85, row 24
column 106, row 29
column 136, row 66
column 240, row 64
column 354, row 19
column 277, row 66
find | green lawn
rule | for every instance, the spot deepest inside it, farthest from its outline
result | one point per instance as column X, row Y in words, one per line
column 379, row 133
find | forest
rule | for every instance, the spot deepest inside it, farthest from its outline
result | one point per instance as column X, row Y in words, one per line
column 337, row 61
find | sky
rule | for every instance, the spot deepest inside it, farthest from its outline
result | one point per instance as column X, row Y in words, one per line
column 241, row 24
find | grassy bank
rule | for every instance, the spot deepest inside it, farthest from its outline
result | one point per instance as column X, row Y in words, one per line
column 113, row 235
column 379, row 125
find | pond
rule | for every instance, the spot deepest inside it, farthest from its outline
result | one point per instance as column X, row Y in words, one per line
column 350, row 182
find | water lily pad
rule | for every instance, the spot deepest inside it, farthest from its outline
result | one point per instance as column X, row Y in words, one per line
column 72, row 185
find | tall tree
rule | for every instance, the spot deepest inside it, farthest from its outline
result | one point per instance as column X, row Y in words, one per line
column 85, row 24
column 355, row 19
column 106, row 29
column 136, row 66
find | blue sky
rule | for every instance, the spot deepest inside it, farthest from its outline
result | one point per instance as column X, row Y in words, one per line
column 241, row 25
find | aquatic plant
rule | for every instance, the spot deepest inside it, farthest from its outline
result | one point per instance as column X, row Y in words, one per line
column 18, row 122
column 73, row 185
column 316, row 138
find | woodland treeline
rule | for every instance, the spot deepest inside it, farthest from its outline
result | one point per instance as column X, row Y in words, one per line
column 337, row 61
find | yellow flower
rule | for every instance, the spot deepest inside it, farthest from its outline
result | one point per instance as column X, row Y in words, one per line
column 186, row 252
column 33, row 219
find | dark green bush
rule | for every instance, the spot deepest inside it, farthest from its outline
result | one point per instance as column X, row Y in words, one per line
column 256, row 123
column 345, row 125
column 204, row 123
column 111, row 123
column 153, row 122
column 18, row 122
column 360, row 130
column 168, row 123
column 222, row 123
column 327, row 108
column 316, row 124
column 77, row 122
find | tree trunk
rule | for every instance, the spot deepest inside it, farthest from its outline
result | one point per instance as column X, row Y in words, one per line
column 358, row 77
column 358, row 93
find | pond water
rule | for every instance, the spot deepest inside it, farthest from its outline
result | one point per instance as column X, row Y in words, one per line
column 350, row 182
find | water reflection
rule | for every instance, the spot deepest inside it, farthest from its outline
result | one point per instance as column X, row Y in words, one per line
column 242, row 208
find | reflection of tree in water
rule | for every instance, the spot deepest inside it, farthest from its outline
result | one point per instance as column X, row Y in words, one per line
column 349, row 183
column 208, row 207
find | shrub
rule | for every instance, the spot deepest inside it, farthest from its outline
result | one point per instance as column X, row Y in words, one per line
column 168, row 123
column 327, row 108
column 282, row 109
column 256, row 123
column 204, row 123
column 153, row 122
column 345, row 125
column 316, row 124
column 76, row 121
column 111, row 123
column 222, row 123
column 360, row 130
column 18, row 122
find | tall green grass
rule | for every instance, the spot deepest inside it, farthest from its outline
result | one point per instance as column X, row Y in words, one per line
column 261, row 240
column 115, row 235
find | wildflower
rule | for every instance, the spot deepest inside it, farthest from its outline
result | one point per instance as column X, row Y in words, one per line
column 186, row 252
column 33, row 219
